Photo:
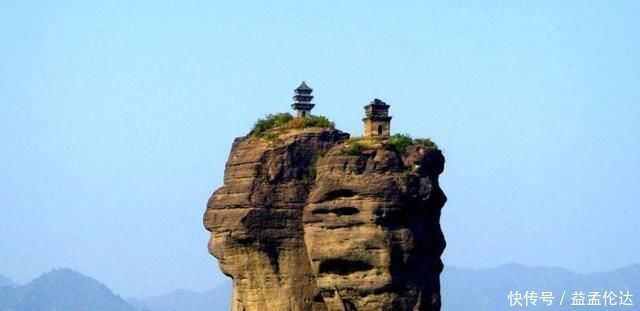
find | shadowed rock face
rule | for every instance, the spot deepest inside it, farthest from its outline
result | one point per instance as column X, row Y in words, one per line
column 372, row 229
column 299, row 225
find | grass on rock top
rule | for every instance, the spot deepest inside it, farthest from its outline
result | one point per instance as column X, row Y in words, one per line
column 275, row 124
column 397, row 142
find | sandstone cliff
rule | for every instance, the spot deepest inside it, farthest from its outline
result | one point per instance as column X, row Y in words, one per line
column 303, row 223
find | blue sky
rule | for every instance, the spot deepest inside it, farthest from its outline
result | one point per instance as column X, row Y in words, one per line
column 117, row 118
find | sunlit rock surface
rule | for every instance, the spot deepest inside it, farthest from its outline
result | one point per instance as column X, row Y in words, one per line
column 300, row 224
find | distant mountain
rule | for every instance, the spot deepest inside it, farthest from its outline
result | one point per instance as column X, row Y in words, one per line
column 6, row 282
column 488, row 289
column 462, row 289
column 218, row 298
column 62, row 289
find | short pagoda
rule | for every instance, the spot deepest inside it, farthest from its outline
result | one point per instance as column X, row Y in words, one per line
column 377, row 122
column 302, row 100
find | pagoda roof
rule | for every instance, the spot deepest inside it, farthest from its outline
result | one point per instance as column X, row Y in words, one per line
column 377, row 102
column 304, row 87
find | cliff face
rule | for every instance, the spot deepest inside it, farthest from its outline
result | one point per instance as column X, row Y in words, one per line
column 255, row 220
column 300, row 225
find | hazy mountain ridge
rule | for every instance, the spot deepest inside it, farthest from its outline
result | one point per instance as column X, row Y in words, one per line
column 7, row 282
column 62, row 289
column 463, row 289
column 186, row 300
column 488, row 289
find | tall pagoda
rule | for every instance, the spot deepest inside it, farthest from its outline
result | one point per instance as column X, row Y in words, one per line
column 302, row 100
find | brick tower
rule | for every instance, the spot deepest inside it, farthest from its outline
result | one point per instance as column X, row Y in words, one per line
column 377, row 122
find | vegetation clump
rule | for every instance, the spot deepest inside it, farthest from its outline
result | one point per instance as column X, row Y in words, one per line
column 309, row 176
column 355, row 146
column 400, row 142
column 397, row 142
column 270, row 121
column 318, row 121
column 427, row 142
column 274, row 124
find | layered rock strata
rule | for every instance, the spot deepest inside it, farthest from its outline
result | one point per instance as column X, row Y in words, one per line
column 301, row 225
